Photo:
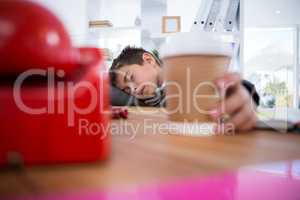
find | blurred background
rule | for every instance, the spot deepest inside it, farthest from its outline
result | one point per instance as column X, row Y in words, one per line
column 269, row 36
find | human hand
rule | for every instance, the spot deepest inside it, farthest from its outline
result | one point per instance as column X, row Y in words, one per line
column 237, row 110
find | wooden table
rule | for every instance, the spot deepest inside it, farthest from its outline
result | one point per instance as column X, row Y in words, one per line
column 149, row 157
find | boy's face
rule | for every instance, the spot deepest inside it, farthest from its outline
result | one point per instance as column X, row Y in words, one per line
column 140, row 81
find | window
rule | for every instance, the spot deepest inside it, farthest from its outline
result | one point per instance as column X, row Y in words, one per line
column 269, row 62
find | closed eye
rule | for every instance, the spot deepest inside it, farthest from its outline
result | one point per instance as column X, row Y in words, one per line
column 129, row 77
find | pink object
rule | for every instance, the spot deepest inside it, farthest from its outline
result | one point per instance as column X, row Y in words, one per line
column 279, row 181
column 118, row 113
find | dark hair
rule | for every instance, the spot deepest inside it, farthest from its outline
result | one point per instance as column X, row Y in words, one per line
column 129, row 56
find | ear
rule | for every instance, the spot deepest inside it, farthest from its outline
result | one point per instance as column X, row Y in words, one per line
column 148, row 58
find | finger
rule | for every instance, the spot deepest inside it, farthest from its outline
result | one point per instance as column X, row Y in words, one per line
column 232, row 104
column 236, row 101
column 246, row 123
column 224, row 129
column 227, row 80
column 240, row 98
column 230, row 129
column 229, row 87
column 241, row 117
column 229, row 77
column 249, row 124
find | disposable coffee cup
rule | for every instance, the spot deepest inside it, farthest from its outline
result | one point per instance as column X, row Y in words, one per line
column 191, row 64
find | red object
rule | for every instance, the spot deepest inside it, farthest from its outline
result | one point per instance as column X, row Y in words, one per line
column 118, row 113
column 31, row 36
column 61, row 112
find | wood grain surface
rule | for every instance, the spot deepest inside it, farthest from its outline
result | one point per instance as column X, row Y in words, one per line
column 151, row 156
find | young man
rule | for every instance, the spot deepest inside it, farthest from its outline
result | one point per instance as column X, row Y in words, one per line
column 139, row 73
